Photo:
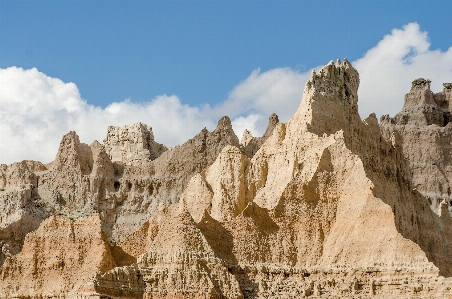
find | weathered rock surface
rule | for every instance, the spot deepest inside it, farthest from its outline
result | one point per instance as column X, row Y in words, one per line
column 57, row 259
column 221, row 188
column 424, row 130
column 83, row 180
column 325, row 206
column 133, row 145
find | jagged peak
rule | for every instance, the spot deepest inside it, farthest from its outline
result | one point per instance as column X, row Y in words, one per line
column 272, row 121
column 421, row 83
column 419, row 94
column 250, row 144
column 447, row 85
column 371, row 120
column 73, row 155
column 330, row 100
column 422, row 107
column 102, row 164
column 339, row 79
column 247, row 134
column 224, row 123
column 138, row 126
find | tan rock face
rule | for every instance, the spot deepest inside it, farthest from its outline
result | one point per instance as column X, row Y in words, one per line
column 22, row 209
column 132, row 144
column 174, row 260
column 58, row 258
column 325, row 206
column 422, row 107
column 83, row 180
column 221, row 188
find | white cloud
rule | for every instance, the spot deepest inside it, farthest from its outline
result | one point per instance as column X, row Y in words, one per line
column 252, row 101
column 37, row 110
column 275, row 91
column 252, row 122
column 387, row 70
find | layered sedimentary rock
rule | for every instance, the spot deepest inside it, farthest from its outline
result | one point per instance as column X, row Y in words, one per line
column 174, row 260
column 57, row 260
column 83, row 180
column 424, row 129
column 325, row 206
column 22, row 210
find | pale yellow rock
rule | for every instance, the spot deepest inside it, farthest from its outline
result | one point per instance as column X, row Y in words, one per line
column 83, row 180
column 58, row 258
column 132, row 144
column 220, row 189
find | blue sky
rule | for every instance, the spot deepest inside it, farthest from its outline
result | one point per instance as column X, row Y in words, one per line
column 197, row 50
column 241, row 58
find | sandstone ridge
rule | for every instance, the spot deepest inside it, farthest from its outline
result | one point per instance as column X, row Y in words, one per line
column 327, row 205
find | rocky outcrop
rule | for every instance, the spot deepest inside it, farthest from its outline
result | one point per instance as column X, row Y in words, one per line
column 142, row 189
column 21, row 208
column 174, row 260
column 424, row 132
column 325, row 207
column 250, row 144
column 133, row 144
column 57, row 259
column 83, row 180
column 422, row 107
column 221, row 188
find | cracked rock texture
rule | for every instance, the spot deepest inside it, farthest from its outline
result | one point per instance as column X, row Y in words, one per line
column 325, row 206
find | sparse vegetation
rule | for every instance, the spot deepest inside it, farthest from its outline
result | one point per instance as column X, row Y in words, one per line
column 2, row 189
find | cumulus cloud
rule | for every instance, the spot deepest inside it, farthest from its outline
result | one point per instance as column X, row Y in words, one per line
column 37, row 110
column 275, row 91
column 252, row 101
column 387, row 70
column 251, row 122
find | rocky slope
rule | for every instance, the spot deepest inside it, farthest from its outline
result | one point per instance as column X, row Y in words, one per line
column 325, row 206
column 83, row 180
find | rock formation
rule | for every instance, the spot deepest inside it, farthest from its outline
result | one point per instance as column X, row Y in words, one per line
column 325, row 206
column 133, row 145
column 83, row 180
column 424, row 130
column 57, row 259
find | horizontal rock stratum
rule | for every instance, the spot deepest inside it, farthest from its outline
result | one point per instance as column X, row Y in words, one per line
column 326, row 205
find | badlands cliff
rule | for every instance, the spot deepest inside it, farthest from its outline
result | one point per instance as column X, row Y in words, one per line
column 327, row 205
